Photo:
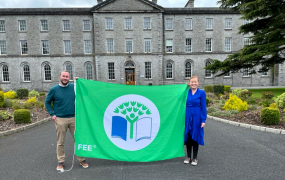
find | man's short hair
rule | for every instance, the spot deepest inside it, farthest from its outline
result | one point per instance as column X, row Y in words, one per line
column 64, row 71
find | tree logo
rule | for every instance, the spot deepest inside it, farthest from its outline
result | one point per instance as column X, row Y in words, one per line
column 131, row 122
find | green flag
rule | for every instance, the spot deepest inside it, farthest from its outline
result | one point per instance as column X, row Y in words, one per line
column 129, row 123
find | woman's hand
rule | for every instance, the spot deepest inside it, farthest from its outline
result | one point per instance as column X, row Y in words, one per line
column 202, row 125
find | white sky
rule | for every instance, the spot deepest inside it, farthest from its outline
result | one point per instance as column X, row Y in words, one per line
column 90, row 3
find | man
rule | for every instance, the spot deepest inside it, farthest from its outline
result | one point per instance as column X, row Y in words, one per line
column 63, row 112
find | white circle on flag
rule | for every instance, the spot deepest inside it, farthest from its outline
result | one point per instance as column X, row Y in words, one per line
column 131, row 109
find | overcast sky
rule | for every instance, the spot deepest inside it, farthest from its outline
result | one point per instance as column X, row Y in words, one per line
column 90, row 3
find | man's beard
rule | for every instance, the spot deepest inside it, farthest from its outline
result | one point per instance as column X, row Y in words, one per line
column 64, row 83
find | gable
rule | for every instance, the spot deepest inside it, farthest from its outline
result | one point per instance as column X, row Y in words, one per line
column 127, row 5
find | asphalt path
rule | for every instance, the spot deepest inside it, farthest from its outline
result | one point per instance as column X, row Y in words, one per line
column 230, row 152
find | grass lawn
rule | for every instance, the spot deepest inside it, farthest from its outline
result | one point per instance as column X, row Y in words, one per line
column 257, row 92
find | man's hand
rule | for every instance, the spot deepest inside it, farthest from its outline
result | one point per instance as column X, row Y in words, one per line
column 54, row 118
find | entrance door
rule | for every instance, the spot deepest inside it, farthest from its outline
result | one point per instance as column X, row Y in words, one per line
column 130, row 76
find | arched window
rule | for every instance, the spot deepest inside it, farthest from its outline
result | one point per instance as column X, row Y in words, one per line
column 169, row 70
column 47, row 72
column 188, row 70
column 208, row 73
column 5, row 73
column 89, row 71
column 68, row 68
column 26, row 73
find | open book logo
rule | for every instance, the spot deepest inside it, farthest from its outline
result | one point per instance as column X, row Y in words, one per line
column 131, row 122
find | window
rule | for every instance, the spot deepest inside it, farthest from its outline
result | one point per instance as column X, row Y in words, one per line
column 24, row 47
column 68, row 68
column 188, row 70
column 188, row 47
column 146, row 23
column 109, row 23
column 87, row 47
column 128, row 23
column 209, row 23
column 110, row 45
column 66, row 25
column 67, row 47
column 169, row 46
column 246, row 21
column 264, row 73
column 5, row 73
column 246, row 41
column 228, row 44
column 2, row 26
column 22, row 25
column 129, row 45
column 208, row 73
column 45, row 47
column 147, row 45
column 188, row 24
column 26, row 73
column 169, row 24
column 111, row 71
column 89, row 71
column 169, row 71
column 228, row 23
column 86, row 25
column 44, row 25
column 47, row 72
column 3, row 47
column 148, row 70
column 245, row 72
column 227, row 74
column 208, row 45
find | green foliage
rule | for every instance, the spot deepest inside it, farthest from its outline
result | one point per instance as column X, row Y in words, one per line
column 30, row 103
column 212, row 96
column 251, row 100
column 212, row 109
column 1, row 98
column 245, row 94
column 219, row 89
column 5, row 115
column 227, row 88
column 265, row 103
column 42, row 94
column 280, row 101
column 235, row 103
column 1, row 89
column 16, row 104
column 42, row 98
column 7, row 103
column 10, row 94
column 236, row 92
column 22, row 116
column 267, row 95
column 34, row 93
column 207, row 101
column 252, row 107
column 270, row 116
column 208, row 89
column 22, row 92
column 273, row 105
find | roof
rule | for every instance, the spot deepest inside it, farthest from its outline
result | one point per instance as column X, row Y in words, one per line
column 45, row 11
column 206, row 10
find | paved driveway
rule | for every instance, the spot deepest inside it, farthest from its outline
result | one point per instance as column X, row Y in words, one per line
column 230, row 153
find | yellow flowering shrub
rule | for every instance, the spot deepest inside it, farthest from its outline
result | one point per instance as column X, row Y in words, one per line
column 235, row 103
column 30, row 103
column 273, row 105
column 10, row 94
column 31, row 100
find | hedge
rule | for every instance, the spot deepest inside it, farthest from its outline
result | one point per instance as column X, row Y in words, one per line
column 270, row 116
column 22, row 93
column 22, row 116
column 219, row 89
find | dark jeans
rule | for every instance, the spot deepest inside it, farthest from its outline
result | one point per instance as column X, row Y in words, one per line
column 192, row 144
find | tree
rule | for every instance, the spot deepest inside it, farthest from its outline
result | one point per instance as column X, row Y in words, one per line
column 267, row 29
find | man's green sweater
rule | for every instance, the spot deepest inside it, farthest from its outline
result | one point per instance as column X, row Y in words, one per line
column 63, row 99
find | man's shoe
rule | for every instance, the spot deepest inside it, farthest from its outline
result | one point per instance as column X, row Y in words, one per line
column 60, row 166
column 187, row 161
column 84, row 164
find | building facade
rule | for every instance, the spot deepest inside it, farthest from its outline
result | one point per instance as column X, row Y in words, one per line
column 122, row 41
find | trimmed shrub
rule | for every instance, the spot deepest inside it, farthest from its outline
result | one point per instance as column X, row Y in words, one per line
column 236, row 92
column 227, row 88
column 251, row 100
column 22, row 116
column 10, row 94
column 235, row 103
column 5, row 115
column 1, row 98
column 7, row 103
column 42, row 94
column 208, row 89
column 267, row 95
column 22, row 93
column 280, row 101
column 219, row 89
column 270, row 116
column 34, row 93
column 273, row 105
column 245, row 94
column 207, row 101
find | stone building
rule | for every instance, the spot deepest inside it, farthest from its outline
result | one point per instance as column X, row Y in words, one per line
column 121, row 41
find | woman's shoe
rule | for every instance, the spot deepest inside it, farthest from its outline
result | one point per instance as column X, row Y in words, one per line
column 194, row 163
column 187, row 161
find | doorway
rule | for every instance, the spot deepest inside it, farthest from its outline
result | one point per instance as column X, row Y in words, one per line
column 130, row 76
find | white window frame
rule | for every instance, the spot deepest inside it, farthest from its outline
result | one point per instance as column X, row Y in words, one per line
column 188, row 24
column 45, row 47
column 3, row 47
column 148, row 70
column 169, row 24
column 146, row 23
column 227, row 75
column 188, row 47
column 22, row 25
column 209, row 45
column 5, row 73
column 245, row 72
column 67, row 47
column 2, row 26
column 264, row 73
column 89, row 71
column 128, row 23
column 66, row 25
column 246, row 41
column 109, row 23
column 228, row 23
column 24, row 49
column 209, row 23
column 86, row 25
column 87, row 47
column 147, row 45
column 26, row 73
column 187, row 69
column 167, row 70
column 47, row 71
column 207, row 72
column 44, row 25
column 68, row 65
column 169, row 46
column 111, row 71
column 228, row 44
column 110, row 45
column 128, row 47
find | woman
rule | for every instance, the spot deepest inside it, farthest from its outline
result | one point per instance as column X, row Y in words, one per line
column 196, row 115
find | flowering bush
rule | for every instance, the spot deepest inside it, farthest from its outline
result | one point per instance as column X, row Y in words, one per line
column 33, row 93
column 235, row 103
column 10, row 94
column 227, row 88
column 236, row 92
column 30, row 103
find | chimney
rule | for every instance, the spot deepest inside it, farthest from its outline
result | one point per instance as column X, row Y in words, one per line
column 154, row 1
column 190, row 4
column 99, row 1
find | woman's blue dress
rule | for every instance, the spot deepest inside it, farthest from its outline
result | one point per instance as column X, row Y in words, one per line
column 196, row 113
